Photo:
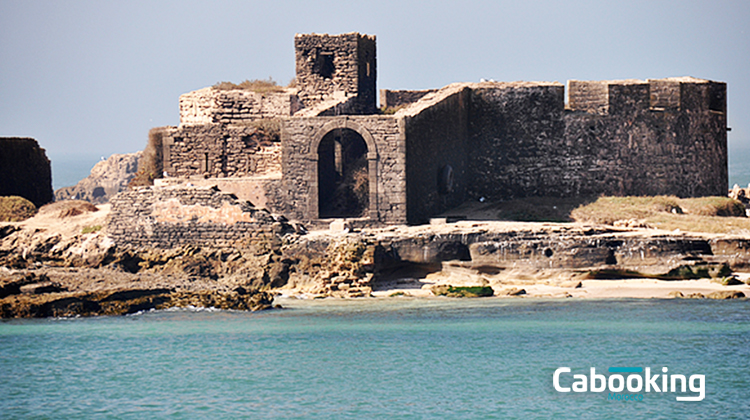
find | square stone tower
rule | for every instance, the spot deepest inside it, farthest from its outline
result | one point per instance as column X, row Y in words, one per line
column 335, row 67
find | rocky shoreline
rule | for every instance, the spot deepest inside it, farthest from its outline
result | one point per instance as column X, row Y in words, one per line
column 63, row 263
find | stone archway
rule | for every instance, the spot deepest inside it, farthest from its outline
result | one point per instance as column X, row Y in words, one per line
column 343, row 175
column 345, row 184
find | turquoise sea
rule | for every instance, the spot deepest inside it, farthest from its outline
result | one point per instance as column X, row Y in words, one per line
column 396, row 358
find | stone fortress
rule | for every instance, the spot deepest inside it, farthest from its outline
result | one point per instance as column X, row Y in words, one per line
column 425, row 152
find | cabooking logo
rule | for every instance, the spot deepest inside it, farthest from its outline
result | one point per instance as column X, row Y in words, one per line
column 635, row 384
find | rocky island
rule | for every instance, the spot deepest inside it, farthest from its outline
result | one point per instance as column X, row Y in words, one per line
column 310, row 190
column 71, row 258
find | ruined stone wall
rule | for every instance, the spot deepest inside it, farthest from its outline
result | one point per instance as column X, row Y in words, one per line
column 217, row 150
column 657, row 137
column 517, row 147
column 25, row 170
column 172, row 217
column 301, row 137
column 436, row 153
column 211, row 105
column 261, row 191
column 398, row 98
column 328, row 65
column 616, row 138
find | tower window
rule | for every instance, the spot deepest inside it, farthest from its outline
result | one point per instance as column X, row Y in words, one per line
column 323, row 66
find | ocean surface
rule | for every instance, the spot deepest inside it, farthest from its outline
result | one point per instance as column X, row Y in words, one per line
column 67, row 170
column 397, row 358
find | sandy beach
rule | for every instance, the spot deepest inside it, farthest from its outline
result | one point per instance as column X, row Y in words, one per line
column 589, row 289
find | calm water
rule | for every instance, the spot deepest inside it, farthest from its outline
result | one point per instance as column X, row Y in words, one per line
column 396, row 358
column 67, row 170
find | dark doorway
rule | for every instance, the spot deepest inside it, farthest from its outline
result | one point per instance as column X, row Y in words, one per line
column 343, row 176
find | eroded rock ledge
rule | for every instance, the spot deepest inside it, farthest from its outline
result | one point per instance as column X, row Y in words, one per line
column 221, row 252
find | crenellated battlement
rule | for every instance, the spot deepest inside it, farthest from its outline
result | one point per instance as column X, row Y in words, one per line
column 627, row 96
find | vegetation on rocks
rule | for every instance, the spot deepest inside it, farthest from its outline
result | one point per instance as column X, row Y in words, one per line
column 151, row 165
column 67, row 304
column 462, row 291
column 67, row 208
column 683, row 272
column 702, row 214
column 16, row 209
column 91, row 229
column 257, row 85
column 270, row 127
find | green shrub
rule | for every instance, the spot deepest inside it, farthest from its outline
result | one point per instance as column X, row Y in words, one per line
column 462, row 291
column 16, row 209
column 91, row 229
column 271, row 128
column 392, row 109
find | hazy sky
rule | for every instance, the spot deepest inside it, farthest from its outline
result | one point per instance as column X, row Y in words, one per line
column 91, row 77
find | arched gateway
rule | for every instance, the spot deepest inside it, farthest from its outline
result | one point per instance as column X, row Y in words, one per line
column 346, row 163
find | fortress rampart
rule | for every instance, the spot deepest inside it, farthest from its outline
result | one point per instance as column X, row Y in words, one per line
column 177, row 216
column 214, row 106
column 337, row 157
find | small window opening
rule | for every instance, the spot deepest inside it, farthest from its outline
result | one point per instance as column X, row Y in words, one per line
column 324, row 65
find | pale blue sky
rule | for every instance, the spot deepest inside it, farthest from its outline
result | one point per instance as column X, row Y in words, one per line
column 91, row 77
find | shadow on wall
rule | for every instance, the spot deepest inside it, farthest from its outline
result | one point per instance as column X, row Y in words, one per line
column 343, row 175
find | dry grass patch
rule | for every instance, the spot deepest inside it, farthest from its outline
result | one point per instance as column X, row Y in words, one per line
column 538, row 209
column 703, row 214
column 67, row 208
column 713, row 206
column 607, row 210
column 16, row 209
column 270, row 127
column 258, row 86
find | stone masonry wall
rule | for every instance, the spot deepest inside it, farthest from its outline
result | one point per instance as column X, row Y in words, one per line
column 25, row 170
column 397, row 98
column 616, row 138
column 172, row 217
column 516, row 145
column 665, row 141
column 329, row 65
column 217, row 150
column 210, row 105
column 387, row 185
column 437, row 153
